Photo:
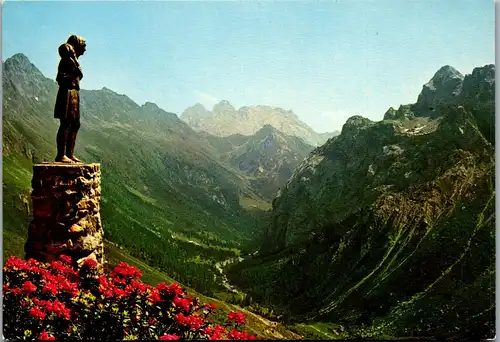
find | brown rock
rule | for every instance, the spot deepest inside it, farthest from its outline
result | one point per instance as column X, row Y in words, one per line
column 75, row 228
column 58, row 247
column 88, row 242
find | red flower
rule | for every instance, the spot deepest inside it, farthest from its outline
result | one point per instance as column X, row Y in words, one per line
column 181, row 303
column 103, row 280
column 90, row 263
column 180, row 319
column 237, row 317
column 50, row 288
column 154, row 297
column 45, row 336
column 238, row 335
column 175, row 289
column 162, row 287
column 118, row 292
column 126, row 271
column 218, row 330
column 58, row 308
column 119, row 281
column 210, row 306
column 32, row 262
column 16, row 264
column 28, row 287
column 194, row 322
column 56, row 265
column 37, row 313
column 169, row 337
column 65, row 258
column 138, row 285
column 16, row 291
column 235, row 335
column 67, row 286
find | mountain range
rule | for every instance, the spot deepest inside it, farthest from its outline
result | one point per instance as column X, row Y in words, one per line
column 224, row 120
column 385, row 230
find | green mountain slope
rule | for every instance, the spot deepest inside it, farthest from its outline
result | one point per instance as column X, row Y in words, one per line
column 165, row 198
column 389, row 228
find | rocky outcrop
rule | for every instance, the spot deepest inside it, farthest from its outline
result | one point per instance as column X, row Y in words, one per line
column 66, row 213
column 479, row 86
column 444, row 87
column 403, row 112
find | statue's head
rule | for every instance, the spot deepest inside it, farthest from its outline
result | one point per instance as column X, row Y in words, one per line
column 78, row 43
column 66, row 50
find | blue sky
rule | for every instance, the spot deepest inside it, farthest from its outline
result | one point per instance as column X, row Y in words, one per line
column 325, row 60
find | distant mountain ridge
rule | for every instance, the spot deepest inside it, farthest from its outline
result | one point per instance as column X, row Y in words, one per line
column 268, row 157
column 225, row 120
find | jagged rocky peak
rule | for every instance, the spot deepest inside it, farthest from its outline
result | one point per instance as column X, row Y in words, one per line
column 403, row 112
column 194, row 113
column 390, row 114
column 199, row 107
column 224, row 107
column 268, row 132
column 20, row 63
column 480, row 85
column 445, row 74
column 18, row 59
column 28, row 79
column 355, row 123
column 486, row 73
column 444, row 87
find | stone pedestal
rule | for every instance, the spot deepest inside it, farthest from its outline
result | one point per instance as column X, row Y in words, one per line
column 66, row 213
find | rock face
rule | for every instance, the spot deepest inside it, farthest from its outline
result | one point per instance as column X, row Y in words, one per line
column 444, row 87
column 66, row 213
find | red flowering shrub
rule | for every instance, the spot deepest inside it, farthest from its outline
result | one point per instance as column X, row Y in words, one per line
column 49, row 301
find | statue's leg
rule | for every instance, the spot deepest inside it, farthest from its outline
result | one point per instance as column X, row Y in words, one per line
column 70, row 147
column 62, row 138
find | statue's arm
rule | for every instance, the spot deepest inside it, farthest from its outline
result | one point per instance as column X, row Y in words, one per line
column 68, row 75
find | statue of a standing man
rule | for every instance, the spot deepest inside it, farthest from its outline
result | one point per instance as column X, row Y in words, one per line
column 67, row 108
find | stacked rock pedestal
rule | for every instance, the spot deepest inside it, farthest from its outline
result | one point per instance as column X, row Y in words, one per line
column 66, row 213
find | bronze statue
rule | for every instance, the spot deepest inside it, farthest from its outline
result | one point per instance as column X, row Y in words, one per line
column 67, row 108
